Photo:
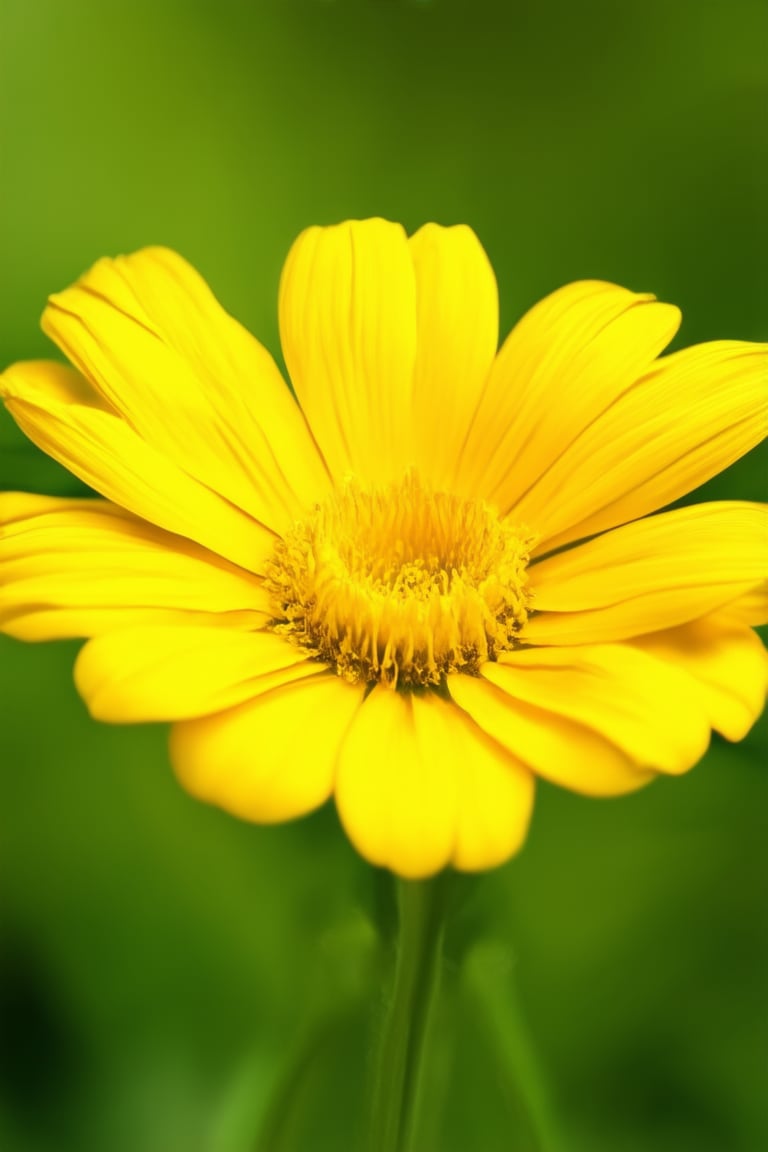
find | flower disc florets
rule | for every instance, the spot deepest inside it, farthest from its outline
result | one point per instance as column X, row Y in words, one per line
column 401, row 585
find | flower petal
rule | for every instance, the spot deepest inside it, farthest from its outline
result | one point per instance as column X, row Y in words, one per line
column 649, row 575
column 653, row 712
column 272, row 758
column 572, row 354
column 457, row 305
column 348, row 330
column 689, row 418
column 76, row 567
column 553, row 746
column 150, row 336
column 419, row 787
column 496, row 790
column 397, row 804
column 52, row 405
column 174, row 673
column 726, row 661
column 750, row 608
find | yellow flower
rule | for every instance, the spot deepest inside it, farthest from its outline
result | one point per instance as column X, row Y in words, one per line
column 426, row 583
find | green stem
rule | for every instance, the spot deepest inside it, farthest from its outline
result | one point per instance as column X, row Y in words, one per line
column 399, row 1057
column 280, row 1108
column 489, row 975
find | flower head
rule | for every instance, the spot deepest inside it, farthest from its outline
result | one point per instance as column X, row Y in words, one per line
column 427, row 579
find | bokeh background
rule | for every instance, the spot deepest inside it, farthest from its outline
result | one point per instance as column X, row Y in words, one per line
column 160, row 961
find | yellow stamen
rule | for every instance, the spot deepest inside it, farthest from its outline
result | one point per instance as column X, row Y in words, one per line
column 401, row 585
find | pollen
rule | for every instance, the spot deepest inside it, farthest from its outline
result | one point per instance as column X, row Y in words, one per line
column 401, row 585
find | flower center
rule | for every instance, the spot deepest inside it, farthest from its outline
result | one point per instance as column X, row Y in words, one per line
column 401, row 585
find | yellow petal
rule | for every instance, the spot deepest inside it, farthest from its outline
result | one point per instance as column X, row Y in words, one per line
column 751, row 607
column 573, row 353
column 37, row 624
column 419, row 787
column 689, row 418
column 397, row 800
column 653, row 574
column 156, row 673
column 652, row 712
column 74, row 567
column 457, row 307
column 495, row 800
column 50, row 403
column 553, row 746
column 149, row 335
column 727, row 663
column 272, row 758
column 348, row 330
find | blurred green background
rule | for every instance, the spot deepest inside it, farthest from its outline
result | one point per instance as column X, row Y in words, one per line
column 158, row 959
